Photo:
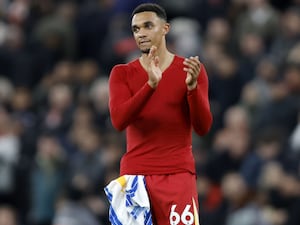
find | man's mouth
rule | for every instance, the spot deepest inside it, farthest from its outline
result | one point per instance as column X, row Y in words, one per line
column 144, row 42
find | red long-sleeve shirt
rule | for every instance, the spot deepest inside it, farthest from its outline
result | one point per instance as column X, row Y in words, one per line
column 159, row 121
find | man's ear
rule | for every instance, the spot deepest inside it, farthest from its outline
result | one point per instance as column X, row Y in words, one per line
column 166, row 28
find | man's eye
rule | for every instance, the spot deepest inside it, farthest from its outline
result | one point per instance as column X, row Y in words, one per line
column 149, row 26
column 135, row 29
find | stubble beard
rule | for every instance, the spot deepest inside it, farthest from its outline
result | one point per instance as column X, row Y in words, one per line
column 145, row 51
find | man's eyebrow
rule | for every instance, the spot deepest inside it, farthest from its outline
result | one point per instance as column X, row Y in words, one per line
column 148, row 22
column 145, row 23
column 134, row 26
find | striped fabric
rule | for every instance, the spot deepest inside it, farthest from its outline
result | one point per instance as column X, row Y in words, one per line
column 129, row 202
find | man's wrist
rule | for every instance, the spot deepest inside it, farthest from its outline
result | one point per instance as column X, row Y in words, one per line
column 192, row 86
column 152, row 84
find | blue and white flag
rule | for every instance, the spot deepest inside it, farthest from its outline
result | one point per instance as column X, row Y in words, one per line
column 129, row 202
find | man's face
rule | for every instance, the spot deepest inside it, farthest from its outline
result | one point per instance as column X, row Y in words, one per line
column 148, row 29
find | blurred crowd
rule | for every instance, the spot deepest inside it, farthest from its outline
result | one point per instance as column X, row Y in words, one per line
column 58, row 148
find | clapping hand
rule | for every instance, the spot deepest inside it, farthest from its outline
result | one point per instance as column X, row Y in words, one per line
column 192, row 66
column 153, row 70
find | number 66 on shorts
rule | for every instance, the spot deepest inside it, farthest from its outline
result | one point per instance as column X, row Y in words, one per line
column 186, row 217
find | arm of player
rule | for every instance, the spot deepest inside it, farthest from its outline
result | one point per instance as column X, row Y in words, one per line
column 123, row 106
column 198, row 101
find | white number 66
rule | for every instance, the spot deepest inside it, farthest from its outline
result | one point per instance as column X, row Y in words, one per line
column 186, row 217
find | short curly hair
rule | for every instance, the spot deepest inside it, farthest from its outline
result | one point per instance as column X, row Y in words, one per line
column 151, row 7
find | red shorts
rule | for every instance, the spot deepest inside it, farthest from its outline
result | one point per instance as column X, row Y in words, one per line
column 173, row 199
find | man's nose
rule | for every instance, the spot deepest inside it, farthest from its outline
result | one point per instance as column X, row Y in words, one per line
column 141, row 36
column 142, row 33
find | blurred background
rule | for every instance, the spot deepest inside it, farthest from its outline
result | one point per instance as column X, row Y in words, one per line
column 58, row 148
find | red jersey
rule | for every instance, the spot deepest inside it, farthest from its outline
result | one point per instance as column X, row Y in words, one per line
column 158, row 121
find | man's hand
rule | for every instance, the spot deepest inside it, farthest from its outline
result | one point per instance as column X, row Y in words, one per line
column 192, row 67
column 153, row 70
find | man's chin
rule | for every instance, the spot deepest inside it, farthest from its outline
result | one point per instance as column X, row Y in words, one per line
column 145, row 51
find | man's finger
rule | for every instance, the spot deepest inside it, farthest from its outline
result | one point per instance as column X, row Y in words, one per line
column 152, row 51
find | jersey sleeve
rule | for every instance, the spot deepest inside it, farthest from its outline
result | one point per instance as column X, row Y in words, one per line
column 198, row 101
column 125, row 106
